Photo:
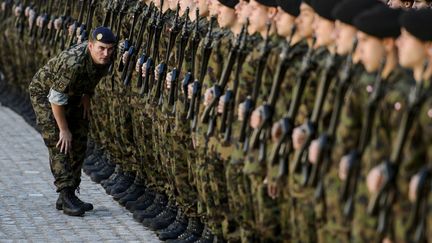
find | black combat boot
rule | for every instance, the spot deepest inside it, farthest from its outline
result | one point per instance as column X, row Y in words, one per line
column 158, row 205
column 130, row 189
column 97, row 164
column 111, row 184
column 104, row 173
column 207, row 236
column 70, row 205
column 193, row 232
column 143, row 202
column 132, row 195
column 112, row 179
column 123, row 184
column 175, row 229
column 84, row 205
column 162, row 220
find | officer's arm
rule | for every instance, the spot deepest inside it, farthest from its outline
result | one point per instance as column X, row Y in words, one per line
column 59, row 115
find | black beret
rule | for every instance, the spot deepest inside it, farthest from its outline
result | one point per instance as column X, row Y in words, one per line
column 268, row 3
column 290, row 6
column 324, row 8
column 348, row 9
column 229, row 3
column 104, row 35
column 380, row 21
column 417, row 23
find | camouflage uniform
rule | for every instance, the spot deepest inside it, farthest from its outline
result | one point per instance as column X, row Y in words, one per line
column 297, row 51
column 388, row 115
column 209, row 168
column 73, row 74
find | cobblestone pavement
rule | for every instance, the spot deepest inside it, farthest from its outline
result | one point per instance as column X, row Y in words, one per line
column 27, row 196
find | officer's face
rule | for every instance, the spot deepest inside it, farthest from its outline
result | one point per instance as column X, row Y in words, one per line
column 258, row 17
column 324, row 31
column 411, row 50
column 345, row 35
column 305, row 20
column 371, row 51
column 226, row 16
column 100, row 52
column 243, row 11
column 284, row 23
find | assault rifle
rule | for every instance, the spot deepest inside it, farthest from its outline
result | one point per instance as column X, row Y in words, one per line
column 282, row 149
column 349, row 187
column 157, row 28
column 129, row 40
column 210, row 115
column 129, row 67
column 381, row 203
column 184, row 38
column 197, row 84
column 163, row 66
column 301, row 158
column 250, row 101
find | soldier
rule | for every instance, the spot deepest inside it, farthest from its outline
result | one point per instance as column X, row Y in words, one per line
column 413, row 46
column 378, row 55
column 60, row 94
column 335, row 227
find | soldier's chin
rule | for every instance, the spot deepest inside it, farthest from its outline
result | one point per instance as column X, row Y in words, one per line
column 103, row 61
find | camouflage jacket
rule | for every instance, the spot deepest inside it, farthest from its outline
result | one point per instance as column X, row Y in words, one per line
column 71, row 73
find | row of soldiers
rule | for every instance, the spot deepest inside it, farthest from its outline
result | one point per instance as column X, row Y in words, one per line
column 253, row 121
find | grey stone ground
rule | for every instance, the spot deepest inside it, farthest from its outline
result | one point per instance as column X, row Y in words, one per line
column 27, row 196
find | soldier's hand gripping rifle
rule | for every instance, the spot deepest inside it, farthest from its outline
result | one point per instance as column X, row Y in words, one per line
column 32, row 16
column 190, row 74
column 163, row 66
column 20, row 21
column 129, row 67
column 250, row 101
column 231, row 95
column 327, row 139
column 77, row 23
column 301, row 158
column 44, row 21
column 150, row 64
column 417, row 223
column 210, row 115
column 89, row 21
column 381, row 203
column 146, row 52
column 197, row 84
column 175, row 73
column 120, row 12
column 282, row 149
column 6, row 10
column 349, row 186
column 129, row 40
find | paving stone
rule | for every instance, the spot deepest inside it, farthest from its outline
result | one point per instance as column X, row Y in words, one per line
column 27, row 196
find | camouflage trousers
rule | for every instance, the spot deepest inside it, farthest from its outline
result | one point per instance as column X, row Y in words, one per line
column 66, row 168
column 266, row 224
column 211, row 182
